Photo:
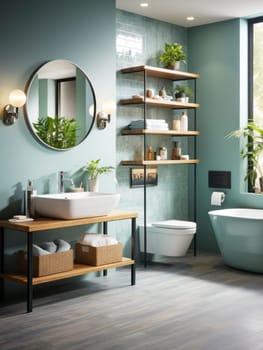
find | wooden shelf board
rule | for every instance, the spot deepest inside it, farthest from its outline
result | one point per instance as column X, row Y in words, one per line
column 159, row 132
column 78, row 270
column 161, row 72
column 42, row 224
column 159, row 103
column 158, row 162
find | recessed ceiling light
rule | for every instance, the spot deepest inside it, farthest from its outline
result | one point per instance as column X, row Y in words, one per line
column 144, row 4
column 190, row 18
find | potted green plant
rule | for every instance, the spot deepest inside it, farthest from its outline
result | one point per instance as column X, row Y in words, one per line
column 58, row 132
column 172, row 55
column 94, row 170
column 183, row 92
column 253, row 152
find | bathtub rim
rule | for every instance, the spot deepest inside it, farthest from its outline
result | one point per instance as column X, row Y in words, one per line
column 239, row 213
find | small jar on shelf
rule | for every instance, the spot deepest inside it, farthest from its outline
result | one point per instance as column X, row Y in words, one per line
column 176, row 123
column 163, row 153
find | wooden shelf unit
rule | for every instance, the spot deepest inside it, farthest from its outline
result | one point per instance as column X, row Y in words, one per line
column 147, row 71
column 43, row 224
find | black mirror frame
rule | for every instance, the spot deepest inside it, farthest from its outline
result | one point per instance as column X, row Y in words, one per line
column 27, row 117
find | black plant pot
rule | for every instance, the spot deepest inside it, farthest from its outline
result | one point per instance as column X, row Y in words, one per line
column 181, row 97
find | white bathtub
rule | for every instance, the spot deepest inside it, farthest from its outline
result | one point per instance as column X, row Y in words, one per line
column 239, row 234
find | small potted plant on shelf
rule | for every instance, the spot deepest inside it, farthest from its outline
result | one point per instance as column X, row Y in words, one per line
column 94, row 170
column 183, row 92
column 172, row 55
column 253, row 151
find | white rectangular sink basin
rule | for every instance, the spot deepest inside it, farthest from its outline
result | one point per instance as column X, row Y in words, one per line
column 74, row 205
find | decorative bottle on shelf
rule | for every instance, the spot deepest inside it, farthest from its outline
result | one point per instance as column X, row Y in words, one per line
column 176, row 151
column 149, row 154
column 184, row 122
column 162, row 92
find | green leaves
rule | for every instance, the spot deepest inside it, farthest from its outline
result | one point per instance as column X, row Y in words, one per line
column 252, row 150
column 58, row 132
column 93, row 169
column 172, row 53
column 184, row 89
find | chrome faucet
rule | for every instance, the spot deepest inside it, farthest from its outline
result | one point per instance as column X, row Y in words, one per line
column 61, row 182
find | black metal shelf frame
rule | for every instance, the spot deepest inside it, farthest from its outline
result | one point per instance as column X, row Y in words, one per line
column 144, row 71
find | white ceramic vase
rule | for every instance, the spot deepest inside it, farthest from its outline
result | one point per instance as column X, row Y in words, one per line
column 93, row 185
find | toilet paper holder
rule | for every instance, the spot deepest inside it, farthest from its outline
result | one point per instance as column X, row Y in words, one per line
column 217, row 198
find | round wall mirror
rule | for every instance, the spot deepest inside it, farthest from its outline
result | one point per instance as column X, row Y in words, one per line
column 61, row 106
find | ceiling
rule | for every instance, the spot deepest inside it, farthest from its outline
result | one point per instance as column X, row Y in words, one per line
column 204, row 11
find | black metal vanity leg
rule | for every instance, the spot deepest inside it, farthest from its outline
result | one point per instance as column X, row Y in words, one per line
column 195, row 245
column 133, row 249
column 29, row 271
column 2, row 261
column 105, row 232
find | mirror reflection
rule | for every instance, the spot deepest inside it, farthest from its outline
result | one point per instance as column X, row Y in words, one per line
column 59, row 97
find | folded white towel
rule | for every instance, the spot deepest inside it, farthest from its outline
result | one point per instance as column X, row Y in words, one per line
column 62, row 246
column 97, row 239
column 39, row 251
column 149, row 124
column 49, row 246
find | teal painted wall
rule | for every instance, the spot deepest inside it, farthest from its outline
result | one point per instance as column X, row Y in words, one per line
column 32, row 33
column 218, row 53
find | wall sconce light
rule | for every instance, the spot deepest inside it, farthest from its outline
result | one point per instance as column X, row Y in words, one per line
column 17, row 98
column 104, row 117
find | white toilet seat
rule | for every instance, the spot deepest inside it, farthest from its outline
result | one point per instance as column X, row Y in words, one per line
column 175, row 224
column 169, row 238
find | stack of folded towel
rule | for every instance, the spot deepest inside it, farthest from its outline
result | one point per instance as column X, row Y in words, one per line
column 97, row 239
column 150, row 124
column 59, row 245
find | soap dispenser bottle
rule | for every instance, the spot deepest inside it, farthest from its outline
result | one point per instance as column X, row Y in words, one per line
column 28, row 198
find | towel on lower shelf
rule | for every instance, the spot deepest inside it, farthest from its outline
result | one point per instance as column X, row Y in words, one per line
column 97, row 239
column 59, row 245
column 151, row 124
column 39, row 251
column 62, row 246
column 49, row 246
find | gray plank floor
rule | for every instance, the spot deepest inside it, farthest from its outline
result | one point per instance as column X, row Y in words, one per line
column 190, row 303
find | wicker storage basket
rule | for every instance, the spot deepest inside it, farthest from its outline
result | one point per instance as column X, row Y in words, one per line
column 86, row 254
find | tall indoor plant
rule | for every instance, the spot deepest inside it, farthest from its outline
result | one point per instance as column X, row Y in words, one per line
column 94, row 170
column 253, row 152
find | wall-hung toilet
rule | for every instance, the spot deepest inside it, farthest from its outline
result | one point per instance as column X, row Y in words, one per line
column 170, row 237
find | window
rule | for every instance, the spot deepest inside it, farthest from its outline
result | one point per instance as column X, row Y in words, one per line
column 256, row 68
column 255, row 97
